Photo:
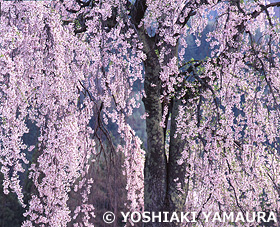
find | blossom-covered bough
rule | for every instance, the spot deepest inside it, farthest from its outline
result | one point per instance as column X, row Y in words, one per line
column 212, row 124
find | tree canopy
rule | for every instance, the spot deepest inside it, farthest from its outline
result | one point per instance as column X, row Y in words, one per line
column 80, row 70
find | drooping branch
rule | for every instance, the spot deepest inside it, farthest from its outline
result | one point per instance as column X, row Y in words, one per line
column 264, row 8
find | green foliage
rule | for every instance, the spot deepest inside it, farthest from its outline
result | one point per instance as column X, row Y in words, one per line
column 157, row 52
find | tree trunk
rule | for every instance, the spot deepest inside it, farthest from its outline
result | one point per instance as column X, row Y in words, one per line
column 161, row 191
column 176, row 198
column 155, row 159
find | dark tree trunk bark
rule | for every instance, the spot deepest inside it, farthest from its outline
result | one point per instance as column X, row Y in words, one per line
column 161, row 192
column 176, row 198
column 155, row 159
column 160, row 189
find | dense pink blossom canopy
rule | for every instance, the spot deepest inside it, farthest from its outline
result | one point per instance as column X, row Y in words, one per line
column 231, row 126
